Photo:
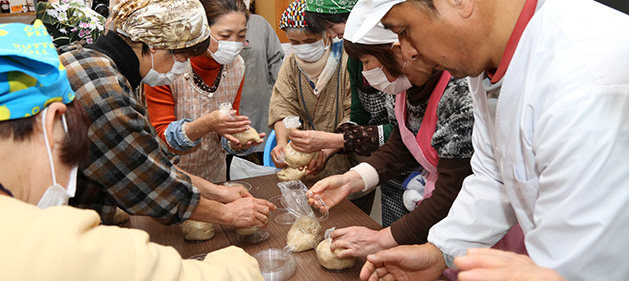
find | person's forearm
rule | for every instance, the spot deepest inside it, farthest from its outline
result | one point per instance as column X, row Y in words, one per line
column 281, row 133
column 385, row 238
column 367, row 175
column 207, row 189
column 391, row 159
column 198, row 128
column 210, row 211
column 334, row 141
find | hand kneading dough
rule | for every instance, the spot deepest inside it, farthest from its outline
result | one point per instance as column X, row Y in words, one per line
column 249, row 135
column 296, row 159
column 304, row 235
column 291, row 174
column 120, row 216
column 328, row 259
column 196, row 230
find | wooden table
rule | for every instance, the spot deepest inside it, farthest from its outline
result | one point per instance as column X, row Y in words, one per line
column 308, row 268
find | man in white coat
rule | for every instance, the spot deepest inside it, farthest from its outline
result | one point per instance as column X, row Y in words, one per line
column 551, row 99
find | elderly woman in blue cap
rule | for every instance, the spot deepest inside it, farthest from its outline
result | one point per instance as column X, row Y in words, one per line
column 43, row 136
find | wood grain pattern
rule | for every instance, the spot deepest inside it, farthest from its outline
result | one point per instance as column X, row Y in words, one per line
column 308, row 268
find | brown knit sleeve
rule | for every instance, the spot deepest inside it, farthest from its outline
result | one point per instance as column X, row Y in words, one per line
column 413, row 228
column 391, row 159
column 362, row 140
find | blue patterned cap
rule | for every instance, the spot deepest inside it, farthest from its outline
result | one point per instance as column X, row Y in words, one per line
column 31, row 76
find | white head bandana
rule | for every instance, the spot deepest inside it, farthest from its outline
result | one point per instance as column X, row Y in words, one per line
column 363, row 24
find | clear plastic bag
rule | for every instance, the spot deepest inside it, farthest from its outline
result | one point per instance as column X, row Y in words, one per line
column 328, row 259
column 296, row 159
column 304, row 235
column 197, row 230
column 306, row 232
column 226, row 108
column 243, row 137
column 291, row 122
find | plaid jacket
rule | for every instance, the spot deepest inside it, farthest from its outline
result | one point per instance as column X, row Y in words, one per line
column 126, row 166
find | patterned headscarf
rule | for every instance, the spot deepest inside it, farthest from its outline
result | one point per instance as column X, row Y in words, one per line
column 68, row 21
column 31, row 76
column 330, row 6
column 293, row 16
column 167, row 24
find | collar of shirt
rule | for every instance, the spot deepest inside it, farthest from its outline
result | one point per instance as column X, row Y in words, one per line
column 204, row 63
column 525, row 16
column 121, row 53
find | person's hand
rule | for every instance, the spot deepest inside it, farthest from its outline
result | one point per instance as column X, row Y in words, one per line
column 309, row 140
column 333, row 189
column 226, row 124
column 246, row 212
column 235, row 144
column 277, row 156
column 493, row 265
column 358, row 241
column 318, row 163
column 404, row 263
column 220, row 193
column 227, row 194
column 223, row 194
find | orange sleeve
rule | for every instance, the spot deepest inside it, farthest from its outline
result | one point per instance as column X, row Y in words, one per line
column 236, row 103
column 161, row 108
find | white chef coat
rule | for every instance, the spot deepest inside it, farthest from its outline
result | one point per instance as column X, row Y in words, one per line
column 554, row 158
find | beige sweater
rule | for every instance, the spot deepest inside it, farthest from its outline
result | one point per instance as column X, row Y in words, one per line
column 64, row 243
column 286, row 100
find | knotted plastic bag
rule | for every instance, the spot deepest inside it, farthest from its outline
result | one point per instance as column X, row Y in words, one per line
column 328, row 259
column 243, row 137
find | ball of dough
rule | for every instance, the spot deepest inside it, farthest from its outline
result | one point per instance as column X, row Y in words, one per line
column 296, row 159
column 328, row 259
column 249, row 135
column 197, row 230
column 304, row 235
column 244, row 231
column 120, row 216
column 291, row 174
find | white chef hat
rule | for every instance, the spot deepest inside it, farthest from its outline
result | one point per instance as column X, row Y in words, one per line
column 363, row 24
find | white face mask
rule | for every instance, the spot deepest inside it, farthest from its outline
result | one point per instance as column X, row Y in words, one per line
column 227, row 51
column 56, row 195
column 310, row 52
column 378, row 80
column 154, row 78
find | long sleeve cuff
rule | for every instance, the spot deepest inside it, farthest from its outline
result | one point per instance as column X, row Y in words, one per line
column 368, row 173
column 449, row 261
column 176, row 136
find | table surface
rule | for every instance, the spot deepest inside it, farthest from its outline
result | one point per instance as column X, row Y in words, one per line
column 308, row 268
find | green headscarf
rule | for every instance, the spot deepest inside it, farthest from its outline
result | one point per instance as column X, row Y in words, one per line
column 330, row 6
